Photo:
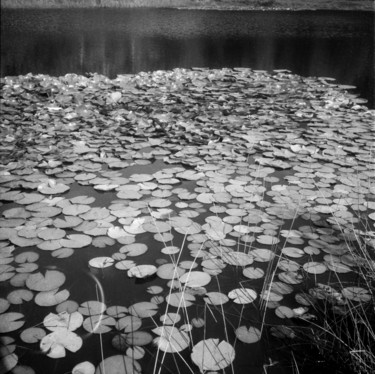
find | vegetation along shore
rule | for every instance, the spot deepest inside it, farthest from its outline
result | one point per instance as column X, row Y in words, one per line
column 364, row 5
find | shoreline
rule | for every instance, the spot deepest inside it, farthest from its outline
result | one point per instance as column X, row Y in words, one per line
column 224, row 5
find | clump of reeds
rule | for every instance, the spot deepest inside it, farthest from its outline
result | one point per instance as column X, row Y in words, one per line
column 343, row 330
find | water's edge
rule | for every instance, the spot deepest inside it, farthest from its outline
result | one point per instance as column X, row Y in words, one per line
column 240, row 5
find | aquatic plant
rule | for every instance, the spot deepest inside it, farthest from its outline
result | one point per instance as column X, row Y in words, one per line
column 151, row 219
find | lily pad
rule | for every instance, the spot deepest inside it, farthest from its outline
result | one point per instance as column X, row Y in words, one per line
column 84, row 367
column 55, row 343
column 171, row 339
column 10, row 321
column 52, row 279
column 195, row 279
column 142, row 271
column 211, row 354
column 118, row 364
column 248, row 335
column 143, row 309
column 242, row 295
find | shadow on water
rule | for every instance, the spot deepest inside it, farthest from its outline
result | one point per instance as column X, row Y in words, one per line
column 111, row 42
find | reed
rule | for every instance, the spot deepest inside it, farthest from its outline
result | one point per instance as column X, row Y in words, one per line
column 343, row 331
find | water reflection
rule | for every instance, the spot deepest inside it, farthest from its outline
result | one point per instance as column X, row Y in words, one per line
column 111, row 42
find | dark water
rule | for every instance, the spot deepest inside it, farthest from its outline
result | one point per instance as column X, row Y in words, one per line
column 111, row 42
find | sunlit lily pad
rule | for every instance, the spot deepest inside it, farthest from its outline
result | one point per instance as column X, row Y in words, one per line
column 211, row 354
column 84, row 367
column 70, row 321
column 171, row 339
column 101, row 262
column 142, row 271
column 55, row 343
column 242, row 295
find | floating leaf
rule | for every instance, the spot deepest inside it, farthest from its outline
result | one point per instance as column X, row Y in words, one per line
column 51, row 234
column 128, row 323
column 248, row 334
column 138, row 338
column 211, row 354
column 253, row 273
column 52, row 188
column 50, row 298
column 70, row 321
column 135, row 352
column 242, row 295
column 52, row 279
column 170, row 318
column 92, row 307
column 10, row 322
column 76, row 241
column 101, row 262
column 135, row 249
column 4, row 305
column 119, row 365
column 180, row 299
column 84, row 367
column 99, row 324
column 314, row 267
column 19, row 296
column 284, row 312
column 293, row 252
column 195, row 279
column 117, row 311
column 142, row 271
column 356, row 294
column 169, row 271
column 171, row 339
column 143, row 309
column 76, row 209
column 32, row 335
column 237, row 258
column 215, row 298
column 55, row 343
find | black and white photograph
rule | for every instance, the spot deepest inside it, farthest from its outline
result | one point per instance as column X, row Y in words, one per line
column 187, row 187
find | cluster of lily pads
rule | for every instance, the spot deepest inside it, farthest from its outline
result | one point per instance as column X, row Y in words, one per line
column 215, row 188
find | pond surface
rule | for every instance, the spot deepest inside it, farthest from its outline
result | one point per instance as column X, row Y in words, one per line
column 120, row 41
column 102, row 178
column 144, row 219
